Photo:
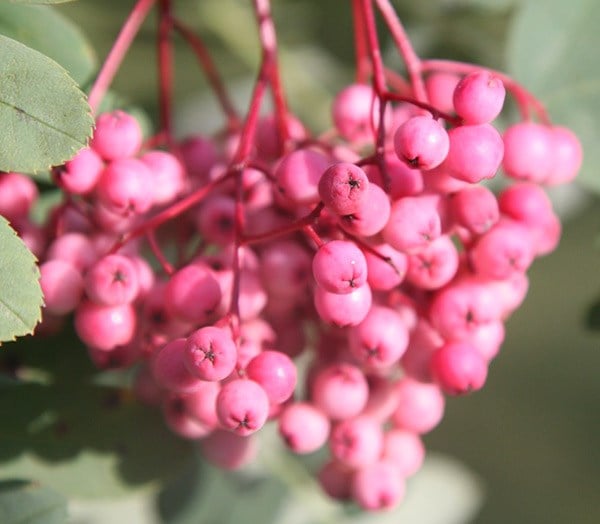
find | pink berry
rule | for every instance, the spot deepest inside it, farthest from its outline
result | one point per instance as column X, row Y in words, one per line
column 80, row 174
column 380, row 339
column 421, row 142
column 18, row 193
column 528, row 151
column 476, row 152
column 433, row 266
column 378, row 486
column 356, row 442
column 285, row 268
column 420, row 406
column 372, row 215
column 169, row 371
column 303, row 427
column 423, row 343
column 112, row 280
column 276, row 373
column 123, row 187
column 298, row 174
column 167, row 175
column 199, row 155
column 105, row 327
column 343, row 187
column 242, row 406
column 336, row 479
column 117, row 135
column 348, row 309
column 340, row 381
column 210, row 353
column 75, row 248
column 62, row 286
column 405, row 450
column 440, row 90
column 339, row 266
column 386, row 271
column 475, row 208
column 459, row 368
column 179, row 420
column 479, row 97
column 568, row 156
column 414, row 222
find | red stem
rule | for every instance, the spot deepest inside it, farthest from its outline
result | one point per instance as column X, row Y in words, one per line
column 117, row 53
column 297, row 225
column 173, row 211
column 360, row 43
column 522, row 96
column 436, row 113
column 268, row 41
column 165, row 264
column 374, row 49
column 405, row 48
column 210, row 70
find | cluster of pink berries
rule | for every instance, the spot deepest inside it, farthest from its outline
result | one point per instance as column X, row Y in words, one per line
column 395, row 269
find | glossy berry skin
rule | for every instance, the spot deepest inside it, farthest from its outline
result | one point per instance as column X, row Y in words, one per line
column 105, row 327
column 112, row 280
column 420, row 406
column 421, row 142
column 433, row 266
column 405, row 450
column 384, row 274
column 476, row 152
column 378, row 486
column 169, row 370
column 123, row 187
column 348, row 309
column 339, row 266
column 80, row 174
column 276, row 373
column 356, row 442
column 380, row 340
column 340, row 381
column 567, row 154
column 242, row 406
column 372, row 215
column 343, row 187
column 528, row 152
column 298, row 175
column 440, row 90
column 459, row 368
column 303, row 427
column 479, row 97
column 62, row 286
column 210, row 353
column 117, row 135
column 18, row 193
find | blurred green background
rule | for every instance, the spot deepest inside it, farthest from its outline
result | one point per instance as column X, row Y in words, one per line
column 532, row 436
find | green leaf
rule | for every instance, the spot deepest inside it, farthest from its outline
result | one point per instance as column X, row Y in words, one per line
column 47, row 31
column 44, row 116
column 25, row 502
column 550, row 52
column 20, row 291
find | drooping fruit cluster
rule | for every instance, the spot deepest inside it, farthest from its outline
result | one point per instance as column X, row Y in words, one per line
column 379, row 250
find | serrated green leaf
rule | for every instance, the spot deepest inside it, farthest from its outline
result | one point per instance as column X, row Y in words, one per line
column 44, row 29
column 20, row 291
column 551, row 52
column 44, row 116
column 25, row 502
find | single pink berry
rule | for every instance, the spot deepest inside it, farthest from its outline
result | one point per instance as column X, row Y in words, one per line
column 343, row 187
column 475, row 208
column 386, row 271
column 459, row 368
column 18, row 193
column 80, row 174
column 179, row 420
column 298, row 174
column 276, row 373
column 356, row 442
column 123, row 187
column 371, row 216
column 378, row 486
column 62, row 286
column 434, row 265
column 440, row 90
column 528, row 152
column 568, row 156
column 420, row 406
column 339, row 266
column 303, row 427
column 105, row 327
column 112, row 280
column 405, row 449
column 117, row 135
column 169, row 371
column 479, row 97
column 421, row 142
column 336, row 479
column 242, row 406
column 340, row 381
column 167, row 174
column 210, row 353
column 348, row 309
